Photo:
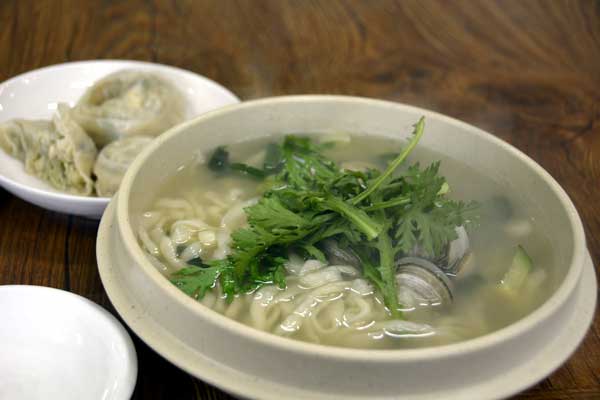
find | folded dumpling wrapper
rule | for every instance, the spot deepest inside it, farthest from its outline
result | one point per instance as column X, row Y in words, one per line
column 113, row 161
column 59, row 152
column 128, row 103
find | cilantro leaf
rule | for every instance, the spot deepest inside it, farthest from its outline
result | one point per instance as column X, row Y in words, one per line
column 195, row 281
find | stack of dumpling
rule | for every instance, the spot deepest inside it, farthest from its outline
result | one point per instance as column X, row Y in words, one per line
column 119, row 115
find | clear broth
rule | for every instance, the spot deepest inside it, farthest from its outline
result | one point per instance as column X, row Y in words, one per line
column 479, row 306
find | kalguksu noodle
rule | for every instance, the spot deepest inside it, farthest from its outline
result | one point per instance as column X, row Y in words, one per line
column 332, row 301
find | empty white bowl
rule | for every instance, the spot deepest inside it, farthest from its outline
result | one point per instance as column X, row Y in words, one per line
column 35, row 95
column 57, row 345
column 255, row 364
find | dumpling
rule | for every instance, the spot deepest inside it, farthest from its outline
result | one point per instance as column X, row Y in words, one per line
column 59, row 152
column 113, row 161
column 127, row 103
column 19, row 135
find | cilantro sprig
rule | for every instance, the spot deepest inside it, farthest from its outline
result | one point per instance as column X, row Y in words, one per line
column 376, row 215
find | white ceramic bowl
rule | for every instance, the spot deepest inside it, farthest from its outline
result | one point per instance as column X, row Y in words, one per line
column 255, row 364
column 57, row 345
column 35, row 94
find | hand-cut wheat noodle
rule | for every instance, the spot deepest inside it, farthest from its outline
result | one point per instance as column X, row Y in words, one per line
column 209, row 299
column 148, row 243
column 234, row 309
column 191, row 251
column 169, row 252
column 358, row 310
column 185, row 230
column 327, row 319
column 262, row 314
column 223, row 241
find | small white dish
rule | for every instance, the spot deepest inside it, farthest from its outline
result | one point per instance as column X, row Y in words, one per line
column 35, row 95
column 58, row 345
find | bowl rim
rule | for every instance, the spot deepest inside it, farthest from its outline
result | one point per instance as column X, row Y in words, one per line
column 525, row 324
column 58, row 196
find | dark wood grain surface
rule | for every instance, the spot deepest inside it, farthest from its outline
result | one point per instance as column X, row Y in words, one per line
column 527, row 71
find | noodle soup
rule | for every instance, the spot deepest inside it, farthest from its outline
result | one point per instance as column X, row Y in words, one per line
column 457, row 270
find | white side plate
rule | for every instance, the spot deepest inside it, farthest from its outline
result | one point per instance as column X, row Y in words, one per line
column 35, row 94
column 58, row 345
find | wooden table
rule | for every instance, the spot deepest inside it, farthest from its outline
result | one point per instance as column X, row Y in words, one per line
column 527, row 71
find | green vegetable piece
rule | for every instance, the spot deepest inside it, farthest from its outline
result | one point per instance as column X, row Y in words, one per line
column 304, row 166
column 519, row 270
column 387, row 269
column 197, row 261
column 219, row 161
column 279, row 276
column 444, row 189
column 229, row 285
column 272, row 225
column 417, row 133
column 357, row 216
column 398, row 201
column 374, row 274
column 314, row 252
column 248, row 170
column 195, row 281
